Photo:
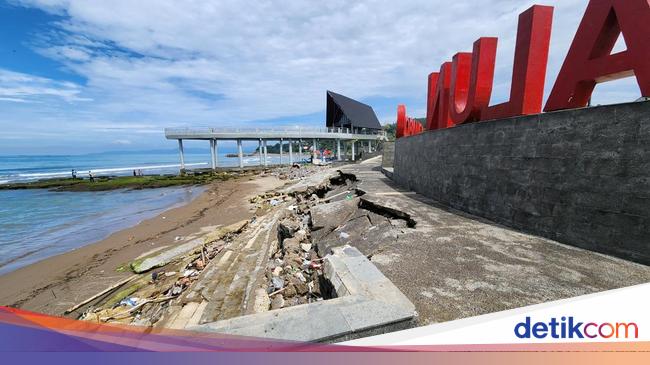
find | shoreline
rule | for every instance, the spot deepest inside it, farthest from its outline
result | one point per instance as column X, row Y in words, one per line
column 87, row 227
column 53, row 284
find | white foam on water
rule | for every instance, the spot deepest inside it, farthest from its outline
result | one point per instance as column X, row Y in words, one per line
column 99, row 171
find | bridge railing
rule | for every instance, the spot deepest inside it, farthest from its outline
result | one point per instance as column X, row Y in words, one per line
column 206, row 130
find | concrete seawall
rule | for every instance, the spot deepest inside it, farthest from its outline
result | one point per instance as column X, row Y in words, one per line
column 581, row 177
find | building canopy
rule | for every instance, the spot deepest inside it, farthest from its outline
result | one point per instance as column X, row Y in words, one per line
column 348, row 113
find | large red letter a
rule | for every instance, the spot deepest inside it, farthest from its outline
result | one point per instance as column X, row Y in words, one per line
column 590, row 61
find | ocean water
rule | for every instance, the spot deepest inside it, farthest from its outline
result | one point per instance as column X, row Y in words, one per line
column 36, row 224
column 31, row 168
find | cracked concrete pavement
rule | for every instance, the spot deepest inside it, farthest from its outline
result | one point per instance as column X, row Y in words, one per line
column 453, row 265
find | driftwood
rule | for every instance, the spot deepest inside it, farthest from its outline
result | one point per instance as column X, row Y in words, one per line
column 104, row 292
column 128, row 313
column 277, row 291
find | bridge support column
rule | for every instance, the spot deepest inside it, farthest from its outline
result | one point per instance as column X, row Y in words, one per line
column 213, row 155
column 241, row 154
column 353, row 150
column 299, row 150
column 338, row 150
column 266, row 162
column 290, row 152
column 182, row 154
column 281, row 150
column 216, row 153
column 369, row 146
column 259, row 150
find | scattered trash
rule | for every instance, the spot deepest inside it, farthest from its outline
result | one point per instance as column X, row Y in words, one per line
column 277, row 282
column 176, row 290
column 305, row 246
column 277, row 271
column 344, row 235
column 301, row 277
column 129, row 302
column 199, row 264
column 170, row 273
column 274, row 202
column 190, row 273
column 178, row 238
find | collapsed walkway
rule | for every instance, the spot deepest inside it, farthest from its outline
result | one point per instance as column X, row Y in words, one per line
column 350, row 254
column 452, row 265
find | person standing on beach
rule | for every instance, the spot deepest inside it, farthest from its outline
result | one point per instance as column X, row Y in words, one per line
column 74, row 173
column 91, row 176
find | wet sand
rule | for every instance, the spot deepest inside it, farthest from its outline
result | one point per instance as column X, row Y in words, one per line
column 53, row 285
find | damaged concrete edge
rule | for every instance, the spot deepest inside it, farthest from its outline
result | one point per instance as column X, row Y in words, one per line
column 159, row 259
column 318, row 182
column 367, row 303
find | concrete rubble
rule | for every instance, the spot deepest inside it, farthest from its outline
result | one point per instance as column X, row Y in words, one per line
column 269, row 263
column 354, row 254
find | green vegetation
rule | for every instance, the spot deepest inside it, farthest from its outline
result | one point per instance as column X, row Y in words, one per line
column 121, row 182
column 390, row 130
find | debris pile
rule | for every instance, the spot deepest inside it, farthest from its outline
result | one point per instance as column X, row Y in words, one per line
column 293, row 273
column 147, row 296
column 271, row 261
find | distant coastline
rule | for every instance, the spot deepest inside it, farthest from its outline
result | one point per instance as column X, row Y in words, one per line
column 104, row 183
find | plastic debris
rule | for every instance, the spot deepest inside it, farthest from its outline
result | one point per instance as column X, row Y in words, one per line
column 176, row 290
column 130, row 302
column 300, row 276
column 277, row 282
column 190, row 273
column 344, row 235
column 274, row 202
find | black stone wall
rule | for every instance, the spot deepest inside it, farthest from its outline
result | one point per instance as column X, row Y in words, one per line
column 388, row 154
column 581, row 177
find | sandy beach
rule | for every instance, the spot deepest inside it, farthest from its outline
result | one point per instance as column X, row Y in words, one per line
column 55, row 284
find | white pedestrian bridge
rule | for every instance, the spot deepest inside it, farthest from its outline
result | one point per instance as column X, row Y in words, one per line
column 294, row 137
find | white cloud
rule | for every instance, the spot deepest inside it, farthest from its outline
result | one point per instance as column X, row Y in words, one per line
column 20, row 87
column 177, row 62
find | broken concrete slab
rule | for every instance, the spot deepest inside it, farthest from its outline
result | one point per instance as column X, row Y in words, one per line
column 312, row 183
column 162, row 259
column 144, row 264
column 367, row 301
column 332, row 215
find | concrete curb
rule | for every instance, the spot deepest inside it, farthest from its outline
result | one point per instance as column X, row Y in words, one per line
column 367, row 304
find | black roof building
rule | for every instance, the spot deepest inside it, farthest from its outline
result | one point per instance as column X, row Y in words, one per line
column 344, row 112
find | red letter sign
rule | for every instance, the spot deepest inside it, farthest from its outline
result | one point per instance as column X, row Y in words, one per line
column 438, row 102
column 529, row 70
column 401, row 121
column 470, row 93
column 590, row 61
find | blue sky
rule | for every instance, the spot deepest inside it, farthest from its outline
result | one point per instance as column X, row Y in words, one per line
column 82, row 76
